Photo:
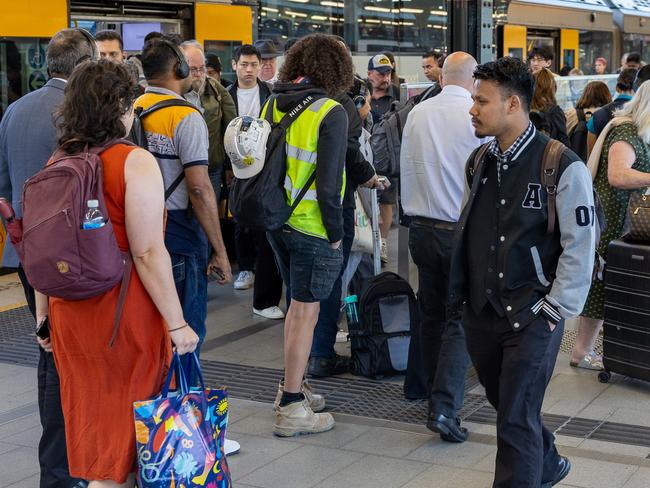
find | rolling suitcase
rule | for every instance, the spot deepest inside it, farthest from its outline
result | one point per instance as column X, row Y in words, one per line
column 626, row 343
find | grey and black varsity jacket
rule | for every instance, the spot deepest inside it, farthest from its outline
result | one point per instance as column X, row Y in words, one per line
column 537, row 273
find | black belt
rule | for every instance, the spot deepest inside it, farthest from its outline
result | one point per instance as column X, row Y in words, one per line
column 434, row 223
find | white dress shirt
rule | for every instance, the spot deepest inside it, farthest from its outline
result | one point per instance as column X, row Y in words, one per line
column 438, row 138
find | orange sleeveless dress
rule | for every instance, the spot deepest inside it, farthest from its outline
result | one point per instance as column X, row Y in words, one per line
column 99, row 384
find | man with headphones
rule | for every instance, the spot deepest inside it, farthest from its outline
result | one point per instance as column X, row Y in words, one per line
column 21, row 158
column 177, row 136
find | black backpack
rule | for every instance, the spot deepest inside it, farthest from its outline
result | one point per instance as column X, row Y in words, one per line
column 260, row 202
column 578, row 136
column 138, row 136
column 380, row 342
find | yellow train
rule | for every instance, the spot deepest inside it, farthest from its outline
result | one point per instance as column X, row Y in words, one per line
column 578, row 31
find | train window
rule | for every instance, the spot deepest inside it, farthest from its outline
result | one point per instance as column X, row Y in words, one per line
column 366, row 26
column 23, row 68
column 596, row 44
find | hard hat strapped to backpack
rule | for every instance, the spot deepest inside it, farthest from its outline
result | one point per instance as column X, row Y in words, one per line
column 260, row 201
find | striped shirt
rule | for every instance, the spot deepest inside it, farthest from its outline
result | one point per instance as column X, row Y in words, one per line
column 503, row 157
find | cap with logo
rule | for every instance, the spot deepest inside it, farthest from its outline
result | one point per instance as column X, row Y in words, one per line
column 267, row 49
column 381, row 63
column 245, row 144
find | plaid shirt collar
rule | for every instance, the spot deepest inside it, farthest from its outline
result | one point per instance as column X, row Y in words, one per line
column 506, row 155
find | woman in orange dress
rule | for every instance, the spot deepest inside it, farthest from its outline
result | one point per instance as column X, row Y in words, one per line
column 100, row 383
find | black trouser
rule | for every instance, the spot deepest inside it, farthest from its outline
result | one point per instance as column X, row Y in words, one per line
column 254, row 253
column 438, row 358
column 515, row 368
column 52, row 454
column 267, row 290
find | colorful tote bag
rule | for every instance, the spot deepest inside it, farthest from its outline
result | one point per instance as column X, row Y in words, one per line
column 180, row 434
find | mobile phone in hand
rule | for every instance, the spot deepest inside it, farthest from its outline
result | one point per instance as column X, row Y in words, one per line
column 215, row 273
column 43, row 330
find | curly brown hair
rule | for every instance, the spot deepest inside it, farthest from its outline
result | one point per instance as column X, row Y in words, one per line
column 321, row 58
column 545, row 88
column 596, row 94
column 97, row 95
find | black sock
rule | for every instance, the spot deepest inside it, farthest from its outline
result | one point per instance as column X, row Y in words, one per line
column 288, row 398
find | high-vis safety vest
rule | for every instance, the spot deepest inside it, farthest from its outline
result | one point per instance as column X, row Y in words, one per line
column 302, row 153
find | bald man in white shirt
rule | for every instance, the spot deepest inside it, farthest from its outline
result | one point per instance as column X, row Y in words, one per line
column 438, row 138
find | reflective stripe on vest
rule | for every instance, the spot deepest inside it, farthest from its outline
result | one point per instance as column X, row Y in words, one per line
column 302, row 154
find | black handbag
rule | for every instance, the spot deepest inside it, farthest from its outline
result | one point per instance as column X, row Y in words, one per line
column 637, row 220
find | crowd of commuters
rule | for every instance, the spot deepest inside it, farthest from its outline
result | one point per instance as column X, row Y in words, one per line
column 476, row 210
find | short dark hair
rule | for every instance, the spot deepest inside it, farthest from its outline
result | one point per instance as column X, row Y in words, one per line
column 66, row 50
column 323, row 60
column 544, row 52
column 246, row 50
column 642, row 76
column 633, row 57
column 511, row 75
column 110, row 90
column 432, row 53
column 110, row 35
column 152, row 35
column 158, row 58
column 212, row 60
column 625, row 80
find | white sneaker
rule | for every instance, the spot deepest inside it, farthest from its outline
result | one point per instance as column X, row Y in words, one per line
column 269, row 313
column 297, row 419
column 244, row 280
column 342, row 336
column 231, row 447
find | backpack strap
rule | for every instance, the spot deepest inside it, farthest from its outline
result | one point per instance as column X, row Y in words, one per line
column 171, row 102
column 121, row 299
column 581, row 115
column 550, row 167
column 285, row 122
column 479, row 155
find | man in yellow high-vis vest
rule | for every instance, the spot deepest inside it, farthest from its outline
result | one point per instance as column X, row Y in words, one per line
column 308, row 247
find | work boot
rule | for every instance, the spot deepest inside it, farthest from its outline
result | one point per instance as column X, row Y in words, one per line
column 316, row 402
column 298, row 419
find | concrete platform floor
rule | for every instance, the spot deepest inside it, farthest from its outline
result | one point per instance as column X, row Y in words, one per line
column 360, row 452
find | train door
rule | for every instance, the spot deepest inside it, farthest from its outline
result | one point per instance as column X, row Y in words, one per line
column 221, row 28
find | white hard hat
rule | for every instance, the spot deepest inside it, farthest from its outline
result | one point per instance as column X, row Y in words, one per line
column 245, row 143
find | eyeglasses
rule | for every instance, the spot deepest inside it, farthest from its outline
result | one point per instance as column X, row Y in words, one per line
column 198, row 71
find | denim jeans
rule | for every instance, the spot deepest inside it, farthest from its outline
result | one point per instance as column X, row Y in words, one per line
column 438, row 358
column 191, row 283
column 308, row 265
column 330, row 308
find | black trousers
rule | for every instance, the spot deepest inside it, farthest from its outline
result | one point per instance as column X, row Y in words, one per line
column 52, row 454
column 515, row 368
column 254, row 253
column 438, row 358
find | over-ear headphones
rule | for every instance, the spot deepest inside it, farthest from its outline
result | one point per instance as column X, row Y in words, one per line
column 182, row 69
column 91, row 43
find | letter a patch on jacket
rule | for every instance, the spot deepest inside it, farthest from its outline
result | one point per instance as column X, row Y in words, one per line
column 533, row 198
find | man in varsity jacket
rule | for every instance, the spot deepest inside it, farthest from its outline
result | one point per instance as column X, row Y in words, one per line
column 514, row 282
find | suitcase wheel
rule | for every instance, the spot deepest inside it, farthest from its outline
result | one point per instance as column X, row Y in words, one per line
column 604, row 376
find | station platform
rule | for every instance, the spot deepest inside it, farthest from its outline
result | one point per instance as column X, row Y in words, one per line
column 379, row 439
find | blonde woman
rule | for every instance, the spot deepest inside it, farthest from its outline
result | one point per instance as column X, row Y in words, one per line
column 624, row 167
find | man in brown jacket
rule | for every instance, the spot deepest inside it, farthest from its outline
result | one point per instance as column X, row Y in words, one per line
column 217, row 107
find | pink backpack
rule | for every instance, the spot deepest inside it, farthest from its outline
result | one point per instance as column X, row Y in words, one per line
column 60, row 258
